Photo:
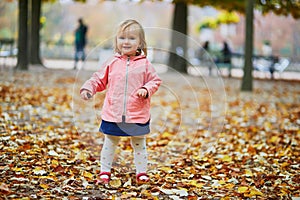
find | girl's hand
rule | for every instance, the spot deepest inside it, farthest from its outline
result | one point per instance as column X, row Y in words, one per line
column 86, row 95
column 142, row 92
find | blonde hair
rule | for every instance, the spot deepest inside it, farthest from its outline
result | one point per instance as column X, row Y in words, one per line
column 123, row 26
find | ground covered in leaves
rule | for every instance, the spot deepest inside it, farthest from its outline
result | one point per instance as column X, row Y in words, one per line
column 208, row 140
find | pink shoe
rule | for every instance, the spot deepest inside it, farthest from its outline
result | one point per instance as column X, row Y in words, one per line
column 142, row 178
column 103, row 180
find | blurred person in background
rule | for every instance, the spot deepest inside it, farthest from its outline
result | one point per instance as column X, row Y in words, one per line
column 80, row 41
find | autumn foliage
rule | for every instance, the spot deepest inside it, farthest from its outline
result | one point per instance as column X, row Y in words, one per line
column 50, row 145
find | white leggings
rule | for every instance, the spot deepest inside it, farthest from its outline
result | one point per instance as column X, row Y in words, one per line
column 138, row 144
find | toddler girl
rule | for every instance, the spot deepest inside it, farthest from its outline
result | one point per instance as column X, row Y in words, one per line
column 130, row 80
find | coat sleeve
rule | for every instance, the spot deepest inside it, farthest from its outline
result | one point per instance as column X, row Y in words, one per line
column 152, row 80
column 97, row 82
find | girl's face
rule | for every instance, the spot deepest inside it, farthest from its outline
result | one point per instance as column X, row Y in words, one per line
column 128, row 41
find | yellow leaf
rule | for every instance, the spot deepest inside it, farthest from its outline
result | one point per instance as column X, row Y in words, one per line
column 285, row 152
column 225, row 198
column 115, row 183
column 285, row 164
column 227, row 158
column 16, row 169
column 52, row 177
column 274, row 139
column 229, row 186
column 195, row 183
column 267, row 125
column 44, row 186
column 255, row 192
column 167, row 169
column 81, row 156
column 222, row 182
column 283, row 191
column 205, row 159
column 148, row 194
column 242, row 189
column 248, row 172
column 54, row 162
column 87, row 175
column 166, row 134
column 39, row 171
column 174, row 104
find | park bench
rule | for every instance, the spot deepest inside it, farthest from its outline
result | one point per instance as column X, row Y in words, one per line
column 7, row 49
column 236, row 61
column 270, row 64
column 261, row 63
column 228, row 65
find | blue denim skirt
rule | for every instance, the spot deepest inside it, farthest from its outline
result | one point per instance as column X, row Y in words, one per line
column 124, row 129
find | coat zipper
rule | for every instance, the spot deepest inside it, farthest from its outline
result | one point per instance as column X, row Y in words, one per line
column 126, row 88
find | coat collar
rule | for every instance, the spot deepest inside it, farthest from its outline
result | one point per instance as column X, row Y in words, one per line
column 117, row 55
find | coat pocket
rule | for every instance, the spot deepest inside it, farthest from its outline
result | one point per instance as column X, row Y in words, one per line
column 136, row 103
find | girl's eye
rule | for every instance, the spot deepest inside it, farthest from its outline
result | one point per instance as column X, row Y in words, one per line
column 121, row 38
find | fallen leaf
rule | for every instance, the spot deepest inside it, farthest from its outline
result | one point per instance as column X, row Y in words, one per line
column 115, row 183
column 44, row 186
column 242, row 189
column 206, row 177
column 255, row 192
column 4, row 188
column 88, row 175
column 227, row 158
column 127, row 183
column 52, row 153
column 39, row 171
column 248, row 172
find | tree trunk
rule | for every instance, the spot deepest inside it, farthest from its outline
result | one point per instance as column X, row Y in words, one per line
column 177, row 56
column 34, row 56
column 247, row 78
column 22, row 57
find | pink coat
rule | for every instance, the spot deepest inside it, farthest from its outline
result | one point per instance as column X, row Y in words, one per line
column 122, row 77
